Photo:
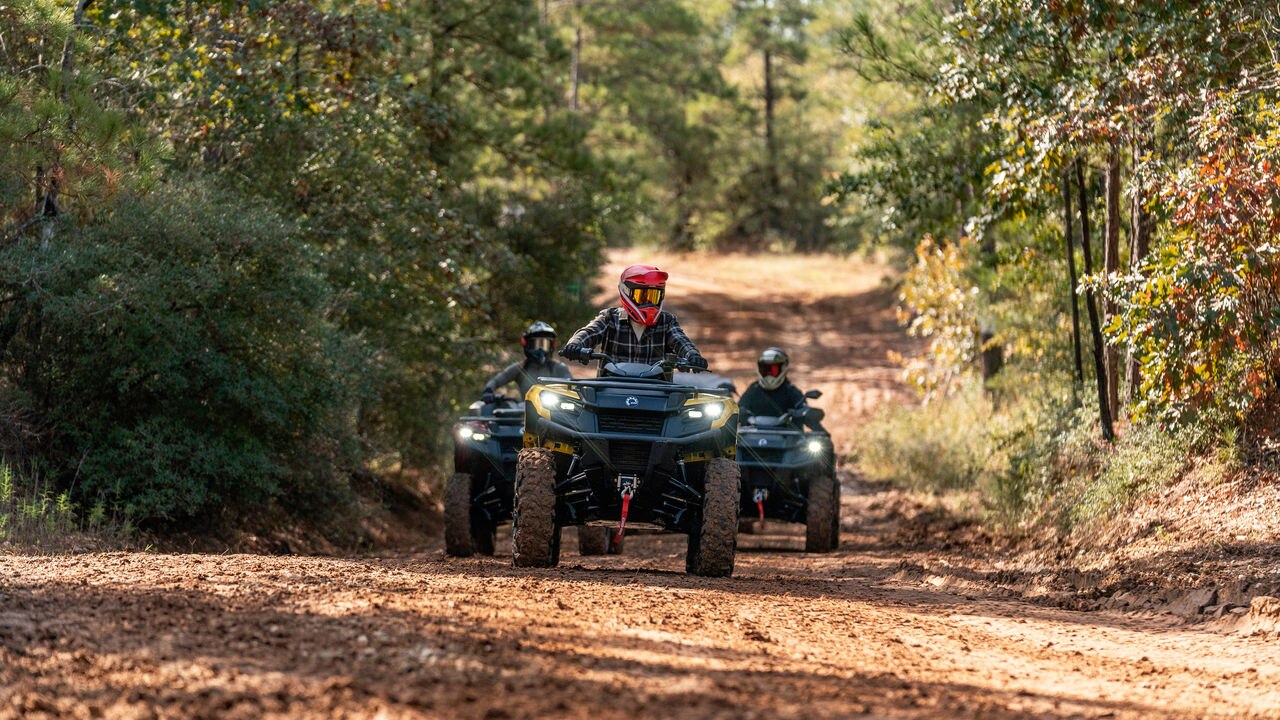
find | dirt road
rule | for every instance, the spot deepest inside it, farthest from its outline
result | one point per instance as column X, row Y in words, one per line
column 866, row 631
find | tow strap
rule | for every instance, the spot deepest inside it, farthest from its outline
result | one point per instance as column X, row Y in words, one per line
column 622, row 521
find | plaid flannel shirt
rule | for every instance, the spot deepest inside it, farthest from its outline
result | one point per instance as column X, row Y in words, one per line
column 611, row 332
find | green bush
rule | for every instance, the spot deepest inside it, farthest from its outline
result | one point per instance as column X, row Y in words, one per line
column 175, row 359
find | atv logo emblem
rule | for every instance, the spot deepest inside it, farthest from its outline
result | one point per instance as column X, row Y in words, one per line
column 633, row 401
column 763, row 442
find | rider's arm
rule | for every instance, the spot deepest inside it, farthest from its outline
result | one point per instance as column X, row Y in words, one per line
column 592, row 334
column 747, row 405
column 677, row 341
column 506, row 375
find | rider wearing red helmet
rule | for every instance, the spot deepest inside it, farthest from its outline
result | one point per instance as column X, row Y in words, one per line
column 639, row 330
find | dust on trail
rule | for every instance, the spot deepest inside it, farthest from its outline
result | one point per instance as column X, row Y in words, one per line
column 864, row 631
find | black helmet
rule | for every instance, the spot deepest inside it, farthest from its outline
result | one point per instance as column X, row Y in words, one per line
column 538, row 341
column 772, row 368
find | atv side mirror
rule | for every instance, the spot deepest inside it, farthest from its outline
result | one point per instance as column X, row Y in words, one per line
column 813, row 394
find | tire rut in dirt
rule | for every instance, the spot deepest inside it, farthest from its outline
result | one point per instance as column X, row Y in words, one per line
column 822, row 515
column 457, row 515
column 713, row 545
column 534, row 535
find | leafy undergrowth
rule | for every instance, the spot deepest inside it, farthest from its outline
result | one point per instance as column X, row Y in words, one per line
column 1156, row 510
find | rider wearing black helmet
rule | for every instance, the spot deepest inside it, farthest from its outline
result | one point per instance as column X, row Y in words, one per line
column 773, row 394
column 538, row 342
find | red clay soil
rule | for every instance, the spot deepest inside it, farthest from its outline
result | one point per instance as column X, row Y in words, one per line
column 901, row 622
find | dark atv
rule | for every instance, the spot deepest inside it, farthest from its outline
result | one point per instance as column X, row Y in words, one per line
column 789, row 474
column 479, row 496
column 632, row 449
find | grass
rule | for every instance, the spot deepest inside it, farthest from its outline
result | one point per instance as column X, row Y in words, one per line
column 946, row 445
column 34, row 516
column 1033, row 459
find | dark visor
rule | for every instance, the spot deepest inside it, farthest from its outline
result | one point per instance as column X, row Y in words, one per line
column 770, row 369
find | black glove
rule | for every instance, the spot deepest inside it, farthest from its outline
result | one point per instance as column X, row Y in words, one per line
column 487, row 397
column 573, row 351
column 696, row 361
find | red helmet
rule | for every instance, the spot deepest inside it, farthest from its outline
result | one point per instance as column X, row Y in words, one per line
column 642, row 289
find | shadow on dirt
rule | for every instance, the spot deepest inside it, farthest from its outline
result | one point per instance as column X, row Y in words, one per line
column 202, row 654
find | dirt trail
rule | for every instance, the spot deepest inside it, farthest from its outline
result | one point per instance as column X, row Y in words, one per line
column 900, row 623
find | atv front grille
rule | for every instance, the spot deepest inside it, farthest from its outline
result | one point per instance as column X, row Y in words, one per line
column 629, row 457
column 634, row 422
column 762, row 455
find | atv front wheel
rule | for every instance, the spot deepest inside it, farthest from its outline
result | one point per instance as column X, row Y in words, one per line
column 713, row 543
column 457, row 515
column 822, row 515
column 535, row 539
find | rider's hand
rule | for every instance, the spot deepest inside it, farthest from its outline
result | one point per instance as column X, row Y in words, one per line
column 573, row 351
column 487, row 397
column 696, row 361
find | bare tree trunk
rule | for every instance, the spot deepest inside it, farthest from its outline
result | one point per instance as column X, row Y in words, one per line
column 770, row 143
column 1139, row 246
column 1068, row 239
column 1091, row 304
column 68, row 59
column 577, row 57
column 1110, row 264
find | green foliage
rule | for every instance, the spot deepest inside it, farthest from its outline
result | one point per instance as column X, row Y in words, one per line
column 179, row 349
column 1203, row 313
column 939, row 305
column 31, row 513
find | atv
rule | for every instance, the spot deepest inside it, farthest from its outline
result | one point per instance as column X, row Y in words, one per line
column 789, row 474
column 479, row 496
column 629, row 449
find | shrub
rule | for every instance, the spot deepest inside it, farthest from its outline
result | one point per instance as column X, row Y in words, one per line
column 176, row 358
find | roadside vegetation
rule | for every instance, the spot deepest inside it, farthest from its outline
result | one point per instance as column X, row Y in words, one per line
column 1091, row 190
column 254, row 256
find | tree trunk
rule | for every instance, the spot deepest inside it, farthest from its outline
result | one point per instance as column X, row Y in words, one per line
column 574, row 67
column 1111, row 264
column 1139, row 246
column 1068, row 239
column 1091, row 304
column 770, row 146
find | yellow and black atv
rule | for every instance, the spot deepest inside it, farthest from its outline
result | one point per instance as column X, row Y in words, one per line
column 629, row 449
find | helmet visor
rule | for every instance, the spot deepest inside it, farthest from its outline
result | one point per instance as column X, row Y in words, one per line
column 644, row 296
column 542, row 342
column 771, row 370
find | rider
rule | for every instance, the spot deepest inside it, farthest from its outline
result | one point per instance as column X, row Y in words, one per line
column 773, row 394
column 638, row 331
column 538, row 341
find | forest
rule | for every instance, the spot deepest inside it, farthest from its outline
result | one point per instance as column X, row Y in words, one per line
column 253, row 252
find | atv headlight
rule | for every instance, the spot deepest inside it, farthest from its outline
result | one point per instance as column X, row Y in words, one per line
column 815, row 446
column 465, row 433
column 713, row 410
column 555, row 401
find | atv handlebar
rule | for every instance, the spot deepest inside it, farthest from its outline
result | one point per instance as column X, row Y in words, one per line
column 669, row 364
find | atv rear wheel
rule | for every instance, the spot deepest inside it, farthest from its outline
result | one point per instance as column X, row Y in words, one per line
column 822, row 515
column 713, row 543
column 593, row 540
column 457, row 515
column 483, row 538
column 535, row 539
